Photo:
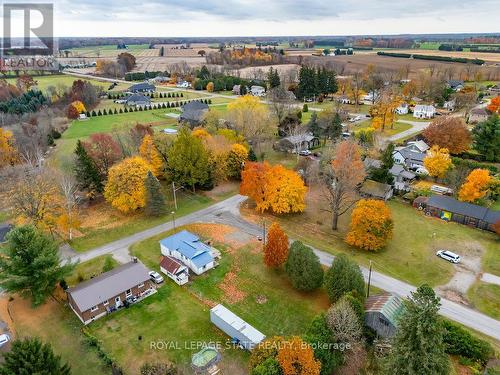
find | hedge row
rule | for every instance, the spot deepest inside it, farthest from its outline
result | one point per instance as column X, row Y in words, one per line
column 115, row 111
column 434, row 58
column 141, row 76
column 473, row 164
column 151, row 95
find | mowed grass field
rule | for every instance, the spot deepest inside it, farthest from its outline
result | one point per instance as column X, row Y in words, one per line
column 486, row 298
column 43, row 82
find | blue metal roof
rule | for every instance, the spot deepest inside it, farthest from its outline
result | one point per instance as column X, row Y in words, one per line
column 189, row 245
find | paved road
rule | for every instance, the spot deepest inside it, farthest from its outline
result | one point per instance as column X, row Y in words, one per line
column 489, row 278
column 227, row 212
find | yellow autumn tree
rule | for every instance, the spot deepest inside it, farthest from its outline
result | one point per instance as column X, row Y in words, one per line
column 200, row 133
column 371, row 225
column 79, row 106
column 476, row 185
column 236, row 160
column 297, row 358
column 125, row 188
column 210, row 87
column 437, row 161
column 8, row 153
column 150, row 153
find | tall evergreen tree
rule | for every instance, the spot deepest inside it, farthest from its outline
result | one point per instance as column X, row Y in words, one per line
column 86, row 172
column 251, row 155
column 307, row 87
column 342, row 277
column 155, row 201
column 31, row 356
column 31, row 266
column 273, row 78
column 486, row 136
column 382, row 174
column 418, row 346
column 334, row 128
column 313, row 125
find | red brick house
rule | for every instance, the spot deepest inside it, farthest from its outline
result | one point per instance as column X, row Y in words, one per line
column 110, row 291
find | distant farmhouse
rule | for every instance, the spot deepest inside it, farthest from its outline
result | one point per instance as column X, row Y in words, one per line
column 424, row 111
column 142, row 87
column 138, row 100
column 193, row 112
column 110, row 291
column 477, row 115
column 382, row 313
column 297, row 142
column 455, row 85
column 450, row 209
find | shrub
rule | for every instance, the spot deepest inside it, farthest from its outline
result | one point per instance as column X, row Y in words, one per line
column 344, row 276
column 459, row 341
column 303, row 267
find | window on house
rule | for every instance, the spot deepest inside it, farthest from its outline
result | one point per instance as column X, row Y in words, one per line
column 117, row 299
column 140, row 285
column 105, row 303
column 94, row 308
column 128, row 293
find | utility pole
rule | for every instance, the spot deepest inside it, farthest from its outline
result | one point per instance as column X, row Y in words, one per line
column 264, row 233
column 173, row 216
column 369, row 280
column 175, row 198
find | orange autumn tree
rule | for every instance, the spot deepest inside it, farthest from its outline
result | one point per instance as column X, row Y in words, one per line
column 274, row 188
column 276, row 248
column 150, row 153
column 297, row 358
column 371, row 225
column 437, row 161
column 448, row 132
column 476, row 185
column 8, row 153
column 125, row 189
column 494, row 106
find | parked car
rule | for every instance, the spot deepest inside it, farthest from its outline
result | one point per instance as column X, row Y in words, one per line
column 4, row 339
column 449, row 256
column 346, row 135
column 305, row 153
column 156, row 277
column 422, row 171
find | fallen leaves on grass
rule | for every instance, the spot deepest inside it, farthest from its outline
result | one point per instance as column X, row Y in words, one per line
column 229, row 286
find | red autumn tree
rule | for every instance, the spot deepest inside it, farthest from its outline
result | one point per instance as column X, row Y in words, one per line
column 297, row 358
column 276, row 249
column 494, row 105
column 104, row 150
column 448, row 132
column 72, row 112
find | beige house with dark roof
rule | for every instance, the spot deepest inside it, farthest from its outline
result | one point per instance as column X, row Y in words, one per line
column 110, row 291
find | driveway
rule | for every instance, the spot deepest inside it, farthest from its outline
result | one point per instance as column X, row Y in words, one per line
column 416, row 127
column 227, row 212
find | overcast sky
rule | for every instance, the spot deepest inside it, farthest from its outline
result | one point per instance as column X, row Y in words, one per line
column 164, row 18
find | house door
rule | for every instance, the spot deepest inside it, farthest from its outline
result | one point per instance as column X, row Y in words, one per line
column 118, row 302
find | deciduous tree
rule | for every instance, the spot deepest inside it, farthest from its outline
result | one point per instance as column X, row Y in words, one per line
column 344, row 323
column 476, row 185
column 236, row 160
column 125, row 189
column 8, row 152
column 303, row 267
column 104, row 151
column 149, row 153
column 342, row 277
column 418, row 346
column 31, row 356
column 31, row 266
column 276, row 248
column 448, row 132
column 494, row 106
column 297, row 358
column 346, row 172
column 437, row 161
column 371, row 225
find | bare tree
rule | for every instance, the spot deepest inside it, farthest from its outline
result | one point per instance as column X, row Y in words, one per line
column 280, row 103
column 69, row 189
column 344, row 323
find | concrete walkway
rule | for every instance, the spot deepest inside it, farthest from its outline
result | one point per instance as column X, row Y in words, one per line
column 416, row 127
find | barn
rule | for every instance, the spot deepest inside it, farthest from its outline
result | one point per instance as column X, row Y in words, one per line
column 382, row 313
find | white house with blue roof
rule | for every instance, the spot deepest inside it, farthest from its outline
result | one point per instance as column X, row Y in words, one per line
column 190, row 250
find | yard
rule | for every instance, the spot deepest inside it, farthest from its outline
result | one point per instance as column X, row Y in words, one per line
column 486, row 298
column 241, row 282
column 409, row 256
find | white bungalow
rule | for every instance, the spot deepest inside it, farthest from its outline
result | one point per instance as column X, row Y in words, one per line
column 174, row 270
column 402, row 109
column 424, row 111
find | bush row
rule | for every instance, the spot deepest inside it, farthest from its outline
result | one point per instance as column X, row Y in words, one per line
column 115, row 111
column 473, row 161
column 118, row 95
column 434, row 58
column 141, row 76
column 94, row 342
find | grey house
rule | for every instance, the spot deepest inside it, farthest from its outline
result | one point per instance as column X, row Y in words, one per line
column 405, row 156
column 376, row 190
column 382, row 313
column 402, row 177
column 297, row 142
column 193, row 112
column 138, row 100
column 142, row 87
column 232, row 325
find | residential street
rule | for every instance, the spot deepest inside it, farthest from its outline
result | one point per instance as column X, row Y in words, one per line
column 227, row 212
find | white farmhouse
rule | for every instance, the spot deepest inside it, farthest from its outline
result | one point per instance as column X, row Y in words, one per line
column 402, row 109
column 424, row 111
column 257, row 91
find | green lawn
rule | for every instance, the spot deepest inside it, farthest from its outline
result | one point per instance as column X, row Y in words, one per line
column 60, row 79
column 486, row 298
column 86, row 270
column 409, row 256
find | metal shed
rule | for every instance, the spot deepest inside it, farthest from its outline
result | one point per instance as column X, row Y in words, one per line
column 235, row 327
column 382, row 313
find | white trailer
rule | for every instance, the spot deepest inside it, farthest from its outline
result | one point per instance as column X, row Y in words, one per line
column 235, row 327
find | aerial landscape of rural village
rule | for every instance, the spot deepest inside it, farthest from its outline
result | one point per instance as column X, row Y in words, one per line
column 289, row 188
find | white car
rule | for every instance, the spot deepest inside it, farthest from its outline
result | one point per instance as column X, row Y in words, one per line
column 156, row 277
column 4, row 339
column 305, row 153
column 422, row 171
column 449, row 256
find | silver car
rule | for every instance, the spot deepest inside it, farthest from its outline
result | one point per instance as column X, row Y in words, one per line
column 156, row 277
column 4, row 339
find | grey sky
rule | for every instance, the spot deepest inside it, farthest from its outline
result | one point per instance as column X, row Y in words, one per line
column 284, row 17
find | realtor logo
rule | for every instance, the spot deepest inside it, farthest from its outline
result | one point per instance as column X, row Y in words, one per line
column 37, row 39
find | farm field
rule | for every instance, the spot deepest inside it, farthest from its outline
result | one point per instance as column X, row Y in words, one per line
column 60, row 79
column 491, row 57
column 112, row 51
